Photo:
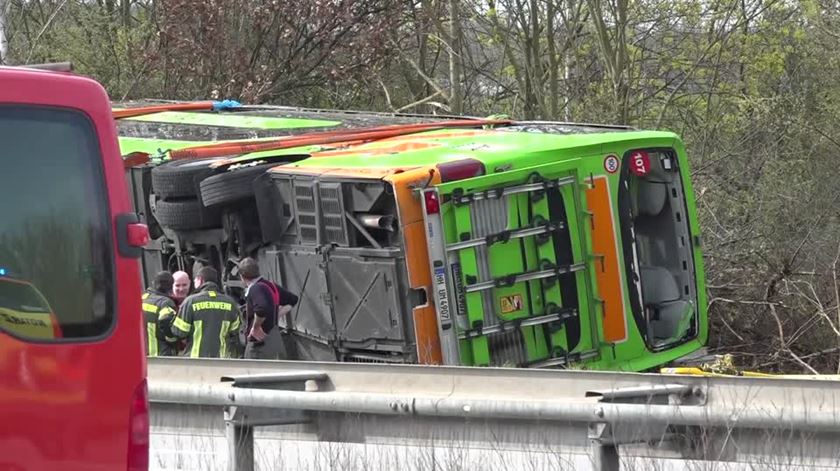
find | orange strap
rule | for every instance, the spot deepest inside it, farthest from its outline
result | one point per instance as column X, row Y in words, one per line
column 326, row 137
column 144, row 110
column 344, row 136
column 135, row 159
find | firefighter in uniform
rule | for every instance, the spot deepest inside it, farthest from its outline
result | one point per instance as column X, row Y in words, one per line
column 159, row 312
column 208, row 318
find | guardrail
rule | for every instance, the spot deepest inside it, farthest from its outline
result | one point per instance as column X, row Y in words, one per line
column 612, row 417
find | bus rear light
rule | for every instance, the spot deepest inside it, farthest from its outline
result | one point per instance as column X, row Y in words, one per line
column 432, row 202
column 460, row 170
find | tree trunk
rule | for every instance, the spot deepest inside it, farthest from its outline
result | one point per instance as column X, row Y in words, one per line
column 456, row 95
column 614, row 52
column 553, row 62
column 125, row 12
column 622, row 78
column 537, row 65
column 568, row 57
column 4, row 44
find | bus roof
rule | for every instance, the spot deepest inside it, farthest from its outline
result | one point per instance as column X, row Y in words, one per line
column 159, row 132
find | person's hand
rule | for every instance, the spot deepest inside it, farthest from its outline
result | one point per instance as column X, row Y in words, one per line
column 283, row 319
column 257, row 333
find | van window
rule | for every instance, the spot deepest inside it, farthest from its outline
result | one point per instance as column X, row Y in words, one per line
column 55, row 236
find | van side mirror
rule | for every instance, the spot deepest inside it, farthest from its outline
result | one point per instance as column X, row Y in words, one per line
column 132, row 235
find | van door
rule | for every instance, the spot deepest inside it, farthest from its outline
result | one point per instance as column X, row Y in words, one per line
column 511, row 268
column 72, row 370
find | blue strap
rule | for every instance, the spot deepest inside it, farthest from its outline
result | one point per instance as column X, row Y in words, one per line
column 225, row 105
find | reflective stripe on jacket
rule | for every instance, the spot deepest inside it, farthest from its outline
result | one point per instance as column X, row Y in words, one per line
column 158, row 312
column 210, row 319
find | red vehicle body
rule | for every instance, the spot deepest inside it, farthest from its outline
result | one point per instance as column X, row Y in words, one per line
column 77, row 400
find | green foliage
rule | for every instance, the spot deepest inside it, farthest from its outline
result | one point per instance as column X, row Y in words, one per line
column 751, row 85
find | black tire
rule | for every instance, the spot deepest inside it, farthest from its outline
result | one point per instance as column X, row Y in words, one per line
column 180, row 178
column 231, row 186
column 185, row 215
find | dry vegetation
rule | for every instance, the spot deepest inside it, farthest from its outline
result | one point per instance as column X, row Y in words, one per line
column 752, row 86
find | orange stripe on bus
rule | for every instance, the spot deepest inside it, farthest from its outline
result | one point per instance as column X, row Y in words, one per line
column 608, row 274
column 425, row 317
column 417, row 258
column 371, row 151
column 354, row 172
column 436, row 135
column 395, row 145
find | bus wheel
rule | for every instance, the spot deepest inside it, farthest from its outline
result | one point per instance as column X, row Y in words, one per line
column 231, row 186
column 186, row 214
column 179, row 179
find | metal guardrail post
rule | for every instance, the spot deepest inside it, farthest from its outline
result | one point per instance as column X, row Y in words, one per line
column 604, row 441
column 604, row 448
column 240, row 421
column 240, row 439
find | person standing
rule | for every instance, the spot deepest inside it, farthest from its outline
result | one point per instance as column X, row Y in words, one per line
column 264, row 302
column 180, row 287
column 159, row 312
column 180, row 291
column 209, row 318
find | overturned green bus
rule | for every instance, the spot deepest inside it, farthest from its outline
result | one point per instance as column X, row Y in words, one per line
column 419, row 239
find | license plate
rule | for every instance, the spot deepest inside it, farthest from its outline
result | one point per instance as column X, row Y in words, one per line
column 442, row 296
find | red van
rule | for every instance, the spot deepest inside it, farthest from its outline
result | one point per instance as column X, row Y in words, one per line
column 72, row 368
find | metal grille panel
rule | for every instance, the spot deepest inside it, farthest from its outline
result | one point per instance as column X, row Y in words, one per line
column 332, row 208
column 507, row 349
column 307, row 211
column 488, row 217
